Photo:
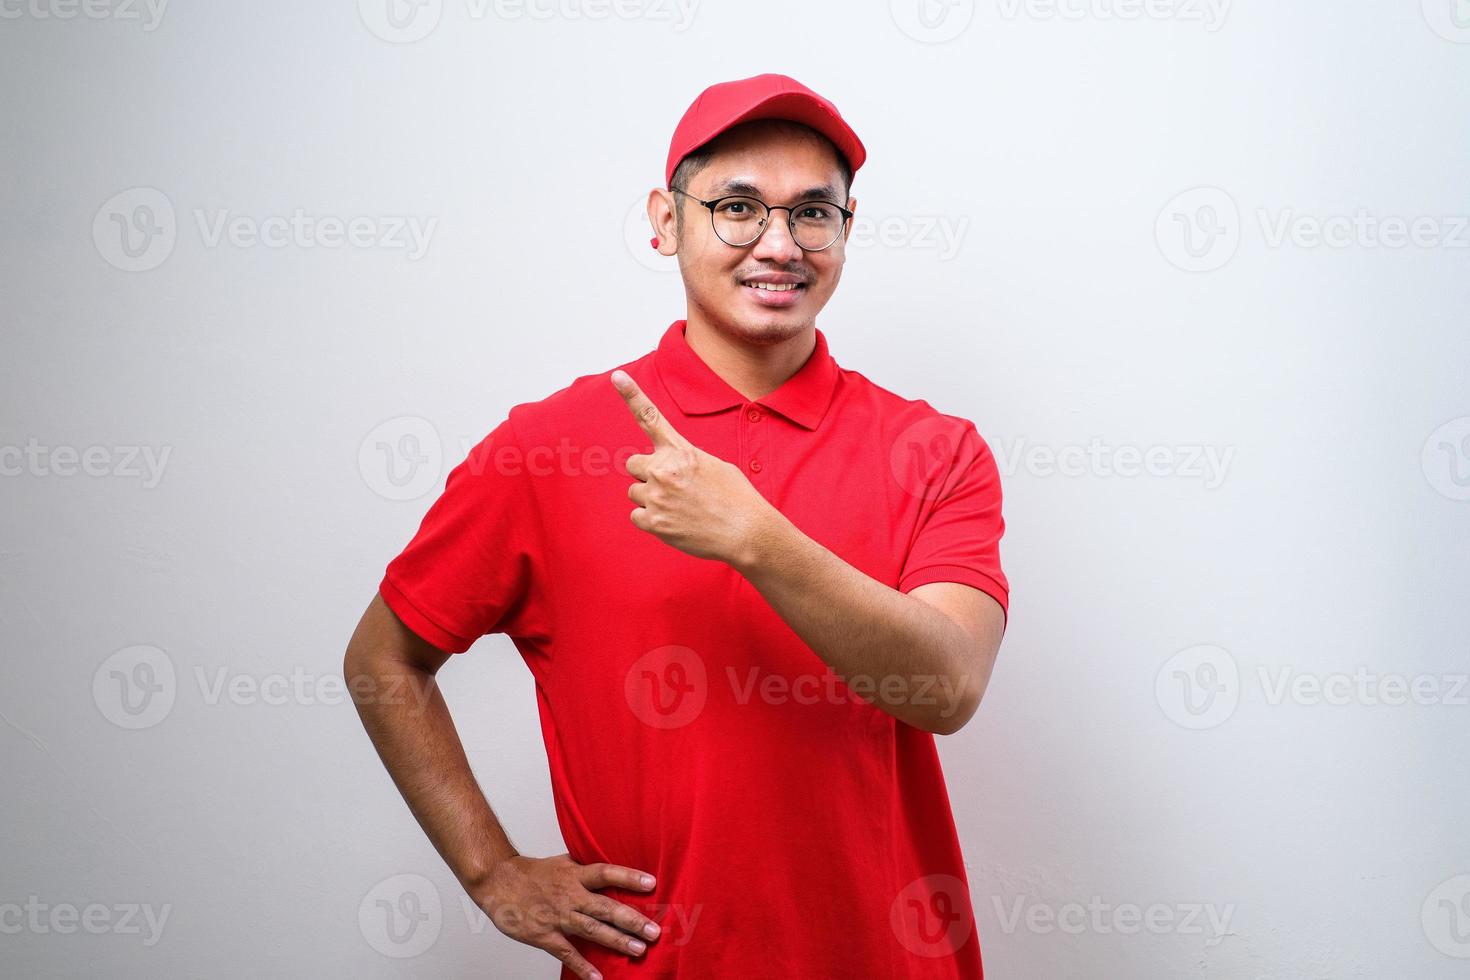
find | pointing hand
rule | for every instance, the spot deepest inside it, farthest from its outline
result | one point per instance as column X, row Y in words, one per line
column 688, row 498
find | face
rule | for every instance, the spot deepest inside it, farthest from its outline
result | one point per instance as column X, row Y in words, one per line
column 777, row 166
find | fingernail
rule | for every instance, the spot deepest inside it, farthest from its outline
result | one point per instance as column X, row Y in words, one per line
column 648, row 881
column 636, row 946
column 651, row 930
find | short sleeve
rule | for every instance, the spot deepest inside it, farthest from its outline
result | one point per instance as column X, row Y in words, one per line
column 959, row 537
column 474, row 565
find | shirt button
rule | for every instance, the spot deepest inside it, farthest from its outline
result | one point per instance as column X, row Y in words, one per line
column 754, row 415
column 755, row 466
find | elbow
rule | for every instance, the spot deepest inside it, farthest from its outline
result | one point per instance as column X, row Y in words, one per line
column 358, row 672
column 960, row 697
column 967, row 688
column 954, row 715
column 358, row 660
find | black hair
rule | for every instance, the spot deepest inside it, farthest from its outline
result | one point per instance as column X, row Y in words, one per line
column 699, row 158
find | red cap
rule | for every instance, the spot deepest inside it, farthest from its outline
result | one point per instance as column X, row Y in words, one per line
column 728, row 104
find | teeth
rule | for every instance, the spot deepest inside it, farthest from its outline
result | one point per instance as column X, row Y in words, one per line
column 774, row 288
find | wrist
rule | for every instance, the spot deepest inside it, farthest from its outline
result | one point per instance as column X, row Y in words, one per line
column 485, row 872
column 760, row 541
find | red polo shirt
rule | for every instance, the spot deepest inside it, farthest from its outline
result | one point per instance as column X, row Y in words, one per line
column 795, row 830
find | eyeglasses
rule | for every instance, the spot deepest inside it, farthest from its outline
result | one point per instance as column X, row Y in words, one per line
column 738, row 221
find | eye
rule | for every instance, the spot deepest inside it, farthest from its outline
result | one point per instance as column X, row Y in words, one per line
column 739, row 207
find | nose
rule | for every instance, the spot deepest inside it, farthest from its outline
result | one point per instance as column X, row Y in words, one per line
column 776, row 242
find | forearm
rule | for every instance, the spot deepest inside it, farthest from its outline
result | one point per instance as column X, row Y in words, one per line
column 901, row 654
column 415, row 737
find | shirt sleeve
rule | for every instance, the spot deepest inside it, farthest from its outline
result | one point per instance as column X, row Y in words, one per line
column 959, row 537
column 474, row 566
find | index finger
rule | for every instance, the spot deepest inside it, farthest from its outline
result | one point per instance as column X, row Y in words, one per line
column 603, row 875
column 645, row 412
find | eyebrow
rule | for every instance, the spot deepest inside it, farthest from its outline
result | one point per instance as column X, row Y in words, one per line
column 737, row 185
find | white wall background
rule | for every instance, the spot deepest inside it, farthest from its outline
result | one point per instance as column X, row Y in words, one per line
column 1022, row 261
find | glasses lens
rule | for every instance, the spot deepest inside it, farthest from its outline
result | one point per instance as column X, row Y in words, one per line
column 738, row 220
column 816, row 224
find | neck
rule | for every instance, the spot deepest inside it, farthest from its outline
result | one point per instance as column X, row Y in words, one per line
column 753, row 364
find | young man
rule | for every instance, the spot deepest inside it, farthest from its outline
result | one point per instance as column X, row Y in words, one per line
column 751, row 586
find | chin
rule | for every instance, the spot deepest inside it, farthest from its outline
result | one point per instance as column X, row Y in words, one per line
column 769, row 326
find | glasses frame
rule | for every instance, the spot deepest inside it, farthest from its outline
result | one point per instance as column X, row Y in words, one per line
column 765, row 221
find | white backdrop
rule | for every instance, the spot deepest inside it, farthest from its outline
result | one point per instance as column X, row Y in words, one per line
column 1196, row 269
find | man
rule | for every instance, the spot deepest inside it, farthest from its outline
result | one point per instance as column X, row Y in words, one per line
column 751, row 586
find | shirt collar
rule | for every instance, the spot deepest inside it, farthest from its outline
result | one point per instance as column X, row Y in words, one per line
column 803, row 398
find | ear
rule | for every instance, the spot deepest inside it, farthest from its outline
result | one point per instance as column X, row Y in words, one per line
column 851, row 206
column 661, row 218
